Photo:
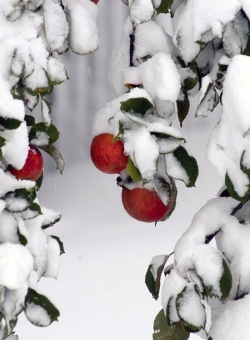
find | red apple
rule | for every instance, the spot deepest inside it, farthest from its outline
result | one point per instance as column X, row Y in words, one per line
column 32, row 168
column 144, row 205
column 108, row 156
column 95, row 1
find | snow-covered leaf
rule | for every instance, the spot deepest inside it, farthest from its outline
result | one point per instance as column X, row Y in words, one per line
column 162, row 331
column 39, row 310
column 173, row 198
column 213, row 270
column 190, row 308
column 56, row 155
column 19, row 200
column 180, row 165
column 42, row 135
column 164, row 7
column 163, row 189
column 208, row 101
column 62, row 251
column 167, row 143
column 235, row 35
column 50, row 217
column 153, row 274
column 137, row 15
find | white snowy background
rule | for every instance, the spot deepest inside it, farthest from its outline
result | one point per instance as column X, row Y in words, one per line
column 101, row 291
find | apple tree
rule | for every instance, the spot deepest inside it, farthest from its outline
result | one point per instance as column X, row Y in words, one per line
column 33, row 34
column 155, row 76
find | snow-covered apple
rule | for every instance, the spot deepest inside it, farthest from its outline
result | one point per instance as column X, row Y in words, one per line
column 108, row 156
column 33, row 166
column 144, row 205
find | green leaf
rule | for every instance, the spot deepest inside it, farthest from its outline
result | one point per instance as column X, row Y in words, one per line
column 119, row 134
column 10, row 123
column 157, row 265
column 2, row 143
column 39, row 303
column 164, row 7
column 39, row 182
column 56, row 155
column 209, row 101
column 189, row 164
column 22, row 238
column 225, row 281
column 232, row 191
column 167, row 143
column 133, row 171
column 136, row 106
column 46, row 111
column 183, row 108
column 30, row 120
column 162, row 331
column 51, row 132
column 62, row 251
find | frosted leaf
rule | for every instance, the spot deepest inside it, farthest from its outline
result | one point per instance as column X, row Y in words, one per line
column 190, row 300
column 83, row 36
column 140, row 11
column 30, row 101
column 235, row 35
column 16, row 264
column 56, row 25
column 150, row 39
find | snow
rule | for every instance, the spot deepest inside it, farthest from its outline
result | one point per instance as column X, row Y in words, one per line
column 37, row 315
column 16, row 264
column 229, row 141
column 140, row 11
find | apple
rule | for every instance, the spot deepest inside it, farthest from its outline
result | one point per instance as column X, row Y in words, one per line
column 95, row 1
column 144, row 205
column 108, row 156
column 33, row 166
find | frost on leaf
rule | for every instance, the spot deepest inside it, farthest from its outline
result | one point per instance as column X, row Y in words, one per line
column 209, row 98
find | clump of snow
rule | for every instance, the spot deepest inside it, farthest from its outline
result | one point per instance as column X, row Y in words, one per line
column 229, row 142
column 16, row 264
column 190, row 307
column 53, row 258
column 141, row 11
column 37, row 315
column 175, row 169
column 143, row 149
column 83, row 35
